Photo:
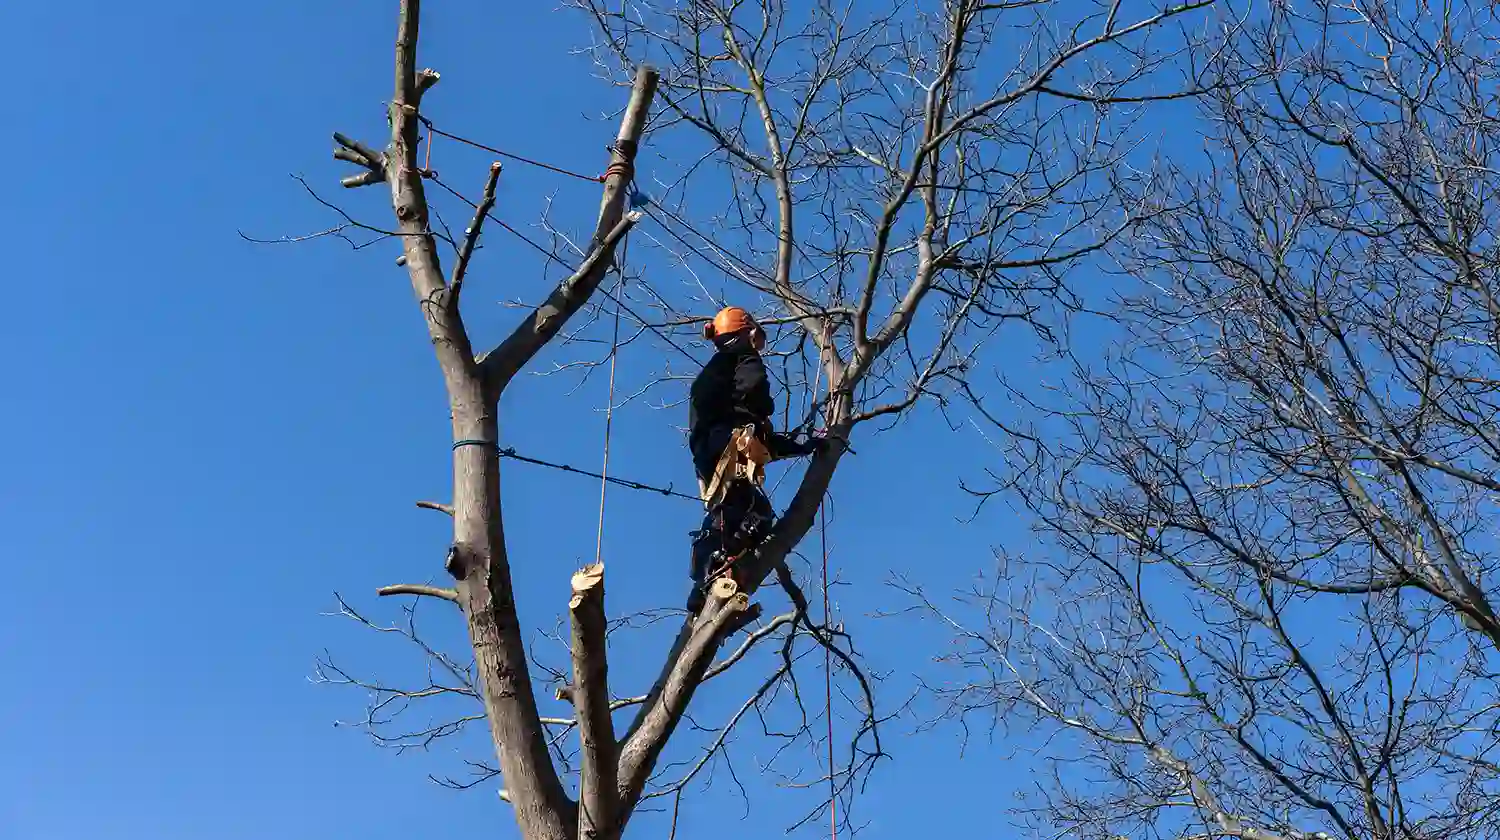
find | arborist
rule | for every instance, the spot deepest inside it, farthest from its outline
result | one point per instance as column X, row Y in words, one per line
column 731, row 439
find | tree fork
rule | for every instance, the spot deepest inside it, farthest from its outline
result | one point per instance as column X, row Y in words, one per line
column 478, row 559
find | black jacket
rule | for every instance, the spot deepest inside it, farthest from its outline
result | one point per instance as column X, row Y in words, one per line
column 733, row 390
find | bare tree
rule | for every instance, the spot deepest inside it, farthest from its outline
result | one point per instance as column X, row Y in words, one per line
column 1274, row 506
column 893, row 188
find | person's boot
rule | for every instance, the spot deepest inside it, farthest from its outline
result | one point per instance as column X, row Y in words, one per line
column 702, row 563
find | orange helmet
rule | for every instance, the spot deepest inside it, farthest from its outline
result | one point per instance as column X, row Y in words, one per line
column 730, row 320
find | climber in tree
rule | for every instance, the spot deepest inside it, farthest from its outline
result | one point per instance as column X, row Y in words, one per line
column 730, row 437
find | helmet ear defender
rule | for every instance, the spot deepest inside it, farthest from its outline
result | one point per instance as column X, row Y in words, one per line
column 757, row 335
column 730, row 320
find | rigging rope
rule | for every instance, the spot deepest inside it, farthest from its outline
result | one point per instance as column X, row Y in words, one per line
column 609, row 406
column 432, row 129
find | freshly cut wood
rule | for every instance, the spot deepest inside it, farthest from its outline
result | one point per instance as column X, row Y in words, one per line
column 724, row 588
column 584, row 580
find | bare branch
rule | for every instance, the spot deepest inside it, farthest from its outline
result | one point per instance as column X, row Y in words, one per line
column 1261, row 609
column 471, row 236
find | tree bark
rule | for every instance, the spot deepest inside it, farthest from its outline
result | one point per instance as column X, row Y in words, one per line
column 477, row 560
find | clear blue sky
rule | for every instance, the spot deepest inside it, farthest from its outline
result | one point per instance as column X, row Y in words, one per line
column 203, row 439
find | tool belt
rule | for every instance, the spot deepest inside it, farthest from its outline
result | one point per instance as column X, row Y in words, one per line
column 745, row 458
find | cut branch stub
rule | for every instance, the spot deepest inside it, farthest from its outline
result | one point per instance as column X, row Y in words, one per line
column 598, row 797
column 585, row 580
column 426, row 78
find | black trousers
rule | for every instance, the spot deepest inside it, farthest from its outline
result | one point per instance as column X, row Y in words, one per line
column 735, row 524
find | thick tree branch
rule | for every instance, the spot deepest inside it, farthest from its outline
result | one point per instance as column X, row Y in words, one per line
column 786, row 230
column 659, row 717
column 598, row 798
column 934, row 108
column 505, row 361
column 500, row 365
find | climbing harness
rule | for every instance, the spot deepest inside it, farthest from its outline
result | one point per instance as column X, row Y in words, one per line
column 744, row 458
column 744, row 461
column 734, row 547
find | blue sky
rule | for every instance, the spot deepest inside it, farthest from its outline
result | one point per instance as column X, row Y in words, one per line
column 205, row 439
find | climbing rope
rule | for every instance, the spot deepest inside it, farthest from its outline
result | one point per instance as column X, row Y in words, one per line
column 833, row 825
